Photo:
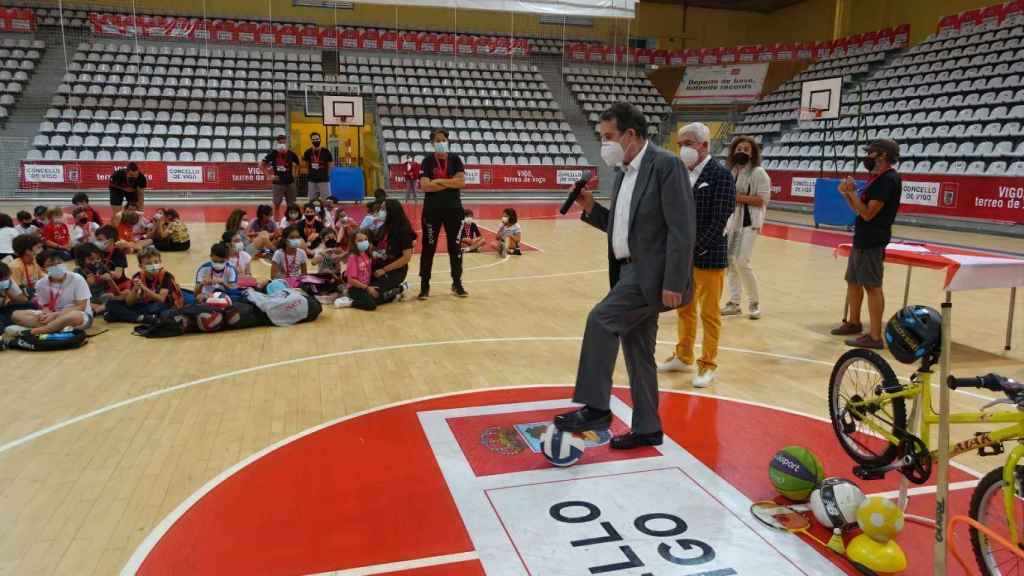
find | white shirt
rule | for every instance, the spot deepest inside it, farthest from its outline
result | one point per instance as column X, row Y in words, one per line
column 61, row 296
column 7, row 236
column 695, row 173
column 623, row 203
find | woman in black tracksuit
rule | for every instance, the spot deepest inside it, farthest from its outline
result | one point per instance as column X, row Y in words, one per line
column 392, row 254
column 442, row 176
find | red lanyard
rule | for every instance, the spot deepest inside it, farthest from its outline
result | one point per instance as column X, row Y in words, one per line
column 442, row 168
column 28, row 276
column 54, row 297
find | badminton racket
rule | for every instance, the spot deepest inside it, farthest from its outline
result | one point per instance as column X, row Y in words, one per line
column 787, row 519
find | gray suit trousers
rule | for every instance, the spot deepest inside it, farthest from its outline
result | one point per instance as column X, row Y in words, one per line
column 623, row 316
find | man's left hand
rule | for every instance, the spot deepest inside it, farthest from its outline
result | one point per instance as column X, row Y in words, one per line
column 671, row 299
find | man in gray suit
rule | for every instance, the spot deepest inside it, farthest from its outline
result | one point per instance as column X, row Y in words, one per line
column 651, row 231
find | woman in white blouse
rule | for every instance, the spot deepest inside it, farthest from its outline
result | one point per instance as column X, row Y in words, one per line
column 753, row 191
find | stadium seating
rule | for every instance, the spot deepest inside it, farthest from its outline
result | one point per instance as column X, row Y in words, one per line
column 168, row 101
column 18, row 59
column 954, row 102
column 494, row 114
column 597, row 87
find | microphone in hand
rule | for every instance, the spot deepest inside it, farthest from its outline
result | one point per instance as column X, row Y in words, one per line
column 575, row 193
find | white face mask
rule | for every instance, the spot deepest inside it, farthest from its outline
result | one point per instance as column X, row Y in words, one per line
column 154, row 268
column 239, row 246
column 689, row 156
column 244, row 224
column 56, row 272
column 218, row 266
column 280, row 147
column 612, row 153
column 504, row 219
column 441, row 147
column 468, row 220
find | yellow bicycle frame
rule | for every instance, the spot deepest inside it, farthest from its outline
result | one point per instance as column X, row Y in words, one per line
column 921, row 387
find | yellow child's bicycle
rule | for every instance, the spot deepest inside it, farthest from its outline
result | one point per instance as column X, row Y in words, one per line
column 868, row 409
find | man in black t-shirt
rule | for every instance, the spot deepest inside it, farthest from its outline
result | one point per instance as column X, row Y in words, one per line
column 128, row 184
column 442, row 176
column 279, row 166
column 876, row 209
column 318, row 165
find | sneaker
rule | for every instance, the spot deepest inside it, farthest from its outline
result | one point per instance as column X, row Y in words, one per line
column 866, row 341
column 403, row 291
column 424, row 291
column 343, row 302
column 847, row 329
column 731, row 309
column 516, row 252
column 704, row 378
column 755, row 311
column 14, row 330
column 674, row 364
column 458, row 290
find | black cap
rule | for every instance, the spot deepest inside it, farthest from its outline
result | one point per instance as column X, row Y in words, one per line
column 890, row 147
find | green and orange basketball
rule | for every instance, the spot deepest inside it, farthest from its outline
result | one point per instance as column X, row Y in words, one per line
column 795, row 472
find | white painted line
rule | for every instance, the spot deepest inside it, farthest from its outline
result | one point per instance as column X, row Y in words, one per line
column 165, row 524
column 962, row 485
column 406, row 565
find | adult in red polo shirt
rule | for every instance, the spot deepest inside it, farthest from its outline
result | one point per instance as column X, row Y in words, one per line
column 411, row 171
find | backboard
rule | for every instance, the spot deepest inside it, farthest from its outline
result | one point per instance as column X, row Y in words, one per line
column 821, row 99
column 342, row 110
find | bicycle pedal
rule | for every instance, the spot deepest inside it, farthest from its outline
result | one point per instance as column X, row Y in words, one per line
column 993, row 450
column 868, row 473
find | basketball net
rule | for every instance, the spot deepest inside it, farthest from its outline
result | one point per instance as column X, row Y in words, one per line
column 808, row 114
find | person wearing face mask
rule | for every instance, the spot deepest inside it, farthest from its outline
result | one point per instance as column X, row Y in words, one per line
column 63, row 298
column 442, row 177
column 470, row 237
column 239, row 258
column 153, row 291
column 128, row 185
column 318, row 169
column 279, row 167
column 24, row 270
column 876, row 209
column 170, row 234
column 115, row 261
column 216, row 275
column 650, row 231
column 509, row 234
column 84, row 230
column 290, row 261
column 714, row 195
column 411, row 172
column 12, row 298
column 753, row 191
column 311, row 226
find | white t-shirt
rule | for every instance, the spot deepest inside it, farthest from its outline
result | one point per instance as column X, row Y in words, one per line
column 63, row 295
column 7, row 236
column 88, row 232
column 240, row 262
column 294, row 263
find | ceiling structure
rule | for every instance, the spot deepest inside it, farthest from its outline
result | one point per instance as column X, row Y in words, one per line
column 763, row 6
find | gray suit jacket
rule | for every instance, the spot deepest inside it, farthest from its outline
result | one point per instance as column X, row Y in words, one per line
column 662, row 226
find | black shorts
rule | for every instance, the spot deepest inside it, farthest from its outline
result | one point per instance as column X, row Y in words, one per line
column 118, row 197
column 866, row 267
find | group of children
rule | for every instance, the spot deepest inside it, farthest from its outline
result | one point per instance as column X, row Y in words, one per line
column 359, row 264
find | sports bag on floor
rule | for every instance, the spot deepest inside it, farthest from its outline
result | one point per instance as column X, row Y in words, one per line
column 47, row 342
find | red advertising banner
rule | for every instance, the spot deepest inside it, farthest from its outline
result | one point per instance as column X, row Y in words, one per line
column 981, row 197
column 160, row 175
column 511, row 177
column 17, row 20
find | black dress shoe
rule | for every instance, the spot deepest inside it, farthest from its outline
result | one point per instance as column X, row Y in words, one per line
column 584, row 419
column 632, row 440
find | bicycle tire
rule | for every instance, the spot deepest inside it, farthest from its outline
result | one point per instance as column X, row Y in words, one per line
column 991, row 484
column 889, row 382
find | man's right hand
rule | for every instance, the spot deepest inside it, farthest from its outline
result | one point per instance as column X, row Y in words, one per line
column 586, row 200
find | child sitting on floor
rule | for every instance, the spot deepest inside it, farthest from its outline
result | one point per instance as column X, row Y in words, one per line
column 359, row 271
column 510, row 235
column 81, row 201
column 25, row 272
column 132, row 231
column 114, row 259
column 25, row 225
column 84, row 231
column 216, row 275
column 56, row 235
column 239, row 258
column 153, row 291
column 169, row 233
column 62, row 296
column 90, row 265
column 289, row 262
column 12, row 298
column 263, row 232
column 470, row 237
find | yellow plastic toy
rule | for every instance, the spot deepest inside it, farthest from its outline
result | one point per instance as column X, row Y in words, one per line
column 886, row 558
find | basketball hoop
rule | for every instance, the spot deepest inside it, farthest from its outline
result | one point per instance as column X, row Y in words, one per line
column 810, row 114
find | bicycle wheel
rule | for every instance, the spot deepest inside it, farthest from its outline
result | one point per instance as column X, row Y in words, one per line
column 988, row 509
column 861, row 375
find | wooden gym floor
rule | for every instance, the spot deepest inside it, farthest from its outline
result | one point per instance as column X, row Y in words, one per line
column 98, row 445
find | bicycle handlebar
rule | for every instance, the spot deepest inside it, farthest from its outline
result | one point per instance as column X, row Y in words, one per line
column 990, row 381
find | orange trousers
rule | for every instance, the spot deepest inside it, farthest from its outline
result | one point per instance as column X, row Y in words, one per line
column 707, row 292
